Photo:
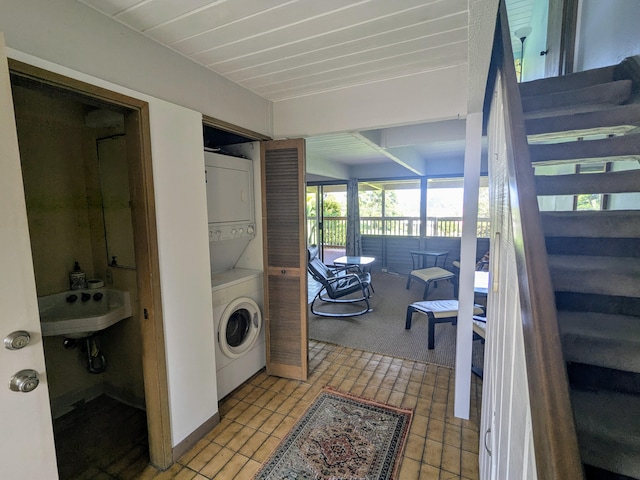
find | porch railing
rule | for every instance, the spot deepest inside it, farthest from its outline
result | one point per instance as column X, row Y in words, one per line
column 335, row 228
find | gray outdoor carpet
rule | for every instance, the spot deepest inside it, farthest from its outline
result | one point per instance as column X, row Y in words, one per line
column 382, row 330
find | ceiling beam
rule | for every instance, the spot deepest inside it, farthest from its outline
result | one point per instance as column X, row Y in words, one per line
column 411, row 161
column 324, row 167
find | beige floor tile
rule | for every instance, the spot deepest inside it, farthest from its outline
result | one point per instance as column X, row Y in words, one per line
column 271, row 423
column 232, row 467
column 451, row 459
column 248, row 471
column 204, row 457
column 256, row 416
column 217, row 463
column 452, row 435
column 185, row 474
column 435, row 430
column 266, row 449
column 432, row 454
column 419, row 425
column 228, row 433
column 240, row 438
column 414, row 447
column 252, row 445
column 409, row 469
column 470, row 440
column 428, row 472
column 469, row 466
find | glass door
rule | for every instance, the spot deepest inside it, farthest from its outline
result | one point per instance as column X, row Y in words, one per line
column 327, row 219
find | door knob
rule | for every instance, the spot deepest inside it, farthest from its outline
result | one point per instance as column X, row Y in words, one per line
column 24, row 381
column 17, row 340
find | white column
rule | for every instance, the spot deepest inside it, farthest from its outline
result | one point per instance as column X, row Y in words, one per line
column 464, row 339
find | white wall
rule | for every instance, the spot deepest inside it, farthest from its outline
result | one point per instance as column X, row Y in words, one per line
column 607, row 32
column 536, row 42
column 69, row 33
column 183, row 244
column 430, row 96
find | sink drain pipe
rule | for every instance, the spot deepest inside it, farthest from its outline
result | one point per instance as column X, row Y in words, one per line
column 96, row 361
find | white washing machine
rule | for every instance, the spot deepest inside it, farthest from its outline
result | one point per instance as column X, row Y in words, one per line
column 238, row 297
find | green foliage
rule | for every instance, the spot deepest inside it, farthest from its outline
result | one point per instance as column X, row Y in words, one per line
column 591, row 201
column 332, row 207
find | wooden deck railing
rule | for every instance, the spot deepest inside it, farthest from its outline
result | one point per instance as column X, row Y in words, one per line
column 556, row 447
column 335, row 228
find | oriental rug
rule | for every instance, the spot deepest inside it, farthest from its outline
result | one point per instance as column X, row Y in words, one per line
column 341, row 436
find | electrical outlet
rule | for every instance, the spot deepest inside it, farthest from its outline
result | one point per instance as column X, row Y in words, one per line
column 108, row 277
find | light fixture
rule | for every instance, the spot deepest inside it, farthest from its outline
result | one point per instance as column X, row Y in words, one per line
column 522, row 34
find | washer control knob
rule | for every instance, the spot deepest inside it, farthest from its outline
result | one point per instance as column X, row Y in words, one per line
column 24, row 381
column 17, row 340
column 250, row 229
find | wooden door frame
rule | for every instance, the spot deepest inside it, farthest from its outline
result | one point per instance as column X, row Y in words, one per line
column 562, row 25
column 146, row 245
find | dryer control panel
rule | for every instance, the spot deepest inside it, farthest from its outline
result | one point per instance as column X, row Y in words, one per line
column 219, row 233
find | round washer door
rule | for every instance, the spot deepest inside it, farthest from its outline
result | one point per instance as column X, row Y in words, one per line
column 239, row 327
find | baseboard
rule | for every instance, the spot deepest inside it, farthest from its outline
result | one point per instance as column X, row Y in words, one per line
column 66, row 402
column 123, row 396
column 185, row 445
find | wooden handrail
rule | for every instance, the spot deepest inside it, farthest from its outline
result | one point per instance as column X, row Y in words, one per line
column 554, row 433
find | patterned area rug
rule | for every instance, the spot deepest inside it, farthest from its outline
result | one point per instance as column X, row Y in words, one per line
column 341, row 436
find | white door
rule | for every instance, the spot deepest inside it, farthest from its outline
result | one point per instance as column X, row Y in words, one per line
column 26, row 435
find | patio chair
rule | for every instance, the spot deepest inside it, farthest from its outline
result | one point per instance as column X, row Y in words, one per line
column 437, row 311
column 479, row 333
column 340, row 285
column 428, row 276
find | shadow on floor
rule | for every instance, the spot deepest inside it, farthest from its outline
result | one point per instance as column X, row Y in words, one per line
column 102, row 438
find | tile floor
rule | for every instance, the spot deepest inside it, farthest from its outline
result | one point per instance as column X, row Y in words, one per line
column 258, row 415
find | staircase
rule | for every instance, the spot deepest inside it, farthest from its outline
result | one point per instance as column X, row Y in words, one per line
column 584, row 142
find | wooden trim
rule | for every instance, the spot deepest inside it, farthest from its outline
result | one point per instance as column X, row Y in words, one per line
column 568, row 37
column 146, row 244
column 154, row 363
column 562, row 24
column 77, row 88
column 231, row 128
column 554, row 432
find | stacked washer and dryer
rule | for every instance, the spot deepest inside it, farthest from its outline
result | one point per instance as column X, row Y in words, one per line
column 238, row 293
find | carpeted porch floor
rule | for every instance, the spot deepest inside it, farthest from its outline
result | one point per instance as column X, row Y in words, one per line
column 382, row 330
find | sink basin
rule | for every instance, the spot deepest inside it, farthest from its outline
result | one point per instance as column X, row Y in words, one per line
column 79, row 313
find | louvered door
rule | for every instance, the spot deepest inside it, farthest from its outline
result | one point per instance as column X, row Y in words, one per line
column 285, row 258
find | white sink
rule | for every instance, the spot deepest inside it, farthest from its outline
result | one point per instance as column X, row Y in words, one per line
column 79, row 313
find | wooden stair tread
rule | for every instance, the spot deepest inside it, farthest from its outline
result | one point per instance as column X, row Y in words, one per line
column 575, row 124
column 593, row 223
column 602, row 339
column 613, row 93
column 568, row 82
column 575, row 184
column 627, row 146
column 608, row 426
column 596, row 274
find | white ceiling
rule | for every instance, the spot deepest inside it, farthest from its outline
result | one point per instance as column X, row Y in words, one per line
column 286, row 48
column 282, row 49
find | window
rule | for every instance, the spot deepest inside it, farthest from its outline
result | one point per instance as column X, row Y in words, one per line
column 445, row 204
column 389, row 207
column 591, row 201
